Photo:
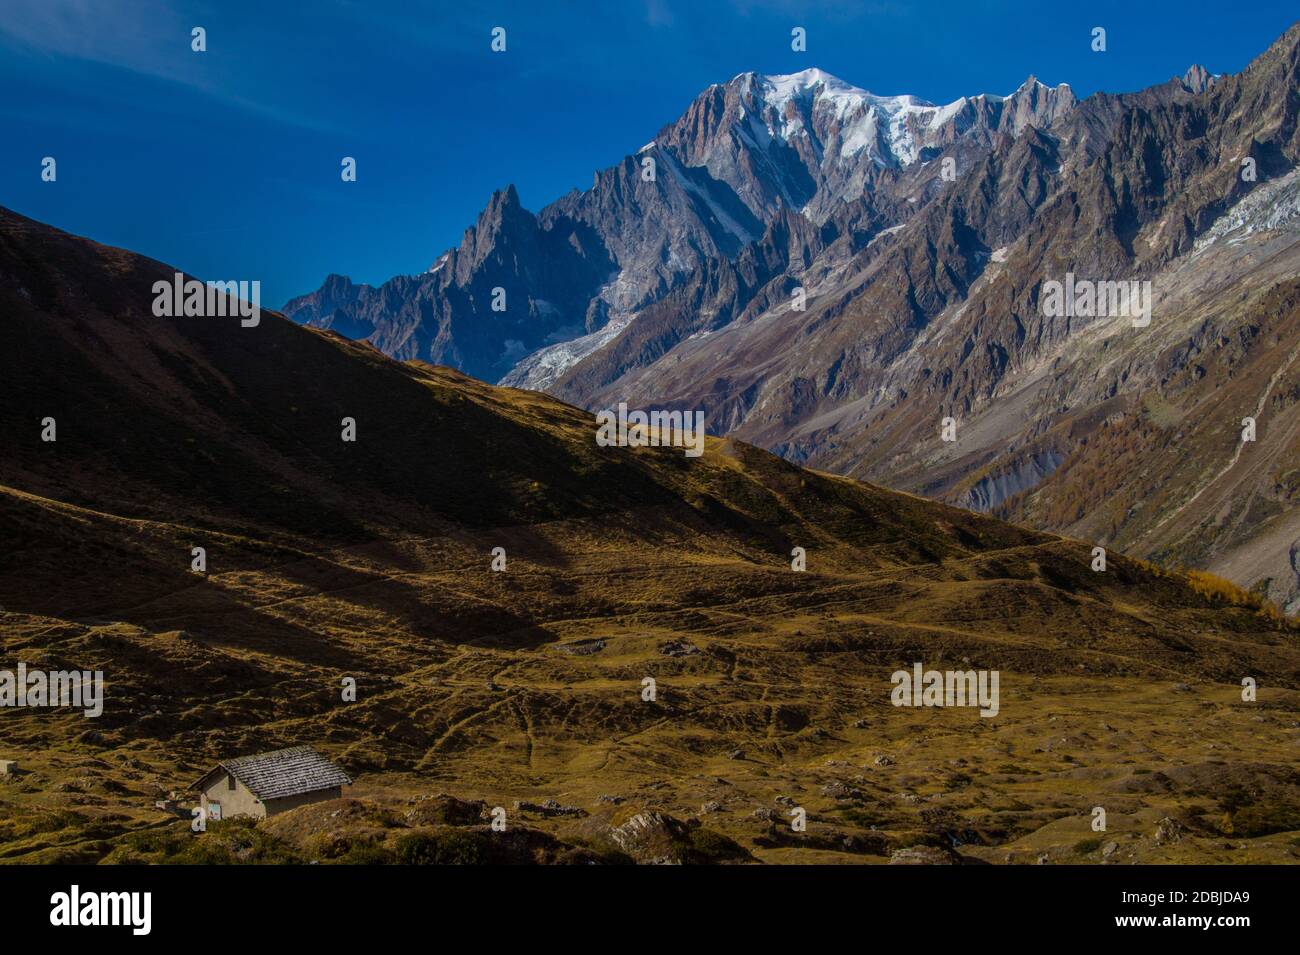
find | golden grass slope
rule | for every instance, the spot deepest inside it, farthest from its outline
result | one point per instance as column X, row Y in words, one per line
column 328, row 560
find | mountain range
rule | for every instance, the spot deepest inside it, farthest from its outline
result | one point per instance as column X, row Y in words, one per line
column 831, row 274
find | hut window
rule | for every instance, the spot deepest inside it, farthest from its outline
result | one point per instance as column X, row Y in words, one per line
column 230, row 783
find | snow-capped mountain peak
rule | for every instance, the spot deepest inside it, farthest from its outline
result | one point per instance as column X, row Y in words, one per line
column 841, row 121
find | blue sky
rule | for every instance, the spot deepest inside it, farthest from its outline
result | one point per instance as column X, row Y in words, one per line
column 226, row 163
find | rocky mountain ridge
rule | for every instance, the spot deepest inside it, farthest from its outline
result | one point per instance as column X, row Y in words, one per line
column 706, row 187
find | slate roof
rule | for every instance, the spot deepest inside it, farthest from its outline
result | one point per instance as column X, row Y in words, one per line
column 283, row 772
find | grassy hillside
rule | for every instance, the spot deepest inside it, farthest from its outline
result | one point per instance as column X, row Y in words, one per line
column 371, row 560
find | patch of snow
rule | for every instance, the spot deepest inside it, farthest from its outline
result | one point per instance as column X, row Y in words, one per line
column 546, row 365
column 884, row 232
column 945, row 113
column 882, row 127
column 1270, row 206
column 757, row 133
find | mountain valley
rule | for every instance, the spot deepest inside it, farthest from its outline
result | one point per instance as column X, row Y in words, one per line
column 525, row 688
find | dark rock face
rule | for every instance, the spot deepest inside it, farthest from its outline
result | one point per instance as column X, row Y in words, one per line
column 546, row 275
column 1198, row 79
